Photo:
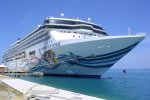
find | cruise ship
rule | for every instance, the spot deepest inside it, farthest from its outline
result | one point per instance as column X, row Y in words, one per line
column 68, row 47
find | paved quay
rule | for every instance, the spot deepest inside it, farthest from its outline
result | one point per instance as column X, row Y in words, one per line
column 8, row 93
column 25, row 90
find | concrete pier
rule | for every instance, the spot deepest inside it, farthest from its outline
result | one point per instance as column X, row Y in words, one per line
column 8, row 93
column 34, row 91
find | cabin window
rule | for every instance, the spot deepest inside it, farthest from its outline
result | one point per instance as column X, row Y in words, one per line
column 32, row 53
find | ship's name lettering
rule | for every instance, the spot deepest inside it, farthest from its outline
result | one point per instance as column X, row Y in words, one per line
column 51, row 45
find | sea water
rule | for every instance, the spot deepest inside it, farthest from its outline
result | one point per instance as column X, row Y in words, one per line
column 114, row 84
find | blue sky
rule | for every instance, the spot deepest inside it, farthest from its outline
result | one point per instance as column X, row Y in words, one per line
column 19, row 17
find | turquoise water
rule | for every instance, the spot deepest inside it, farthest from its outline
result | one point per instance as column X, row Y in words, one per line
column 114, row 85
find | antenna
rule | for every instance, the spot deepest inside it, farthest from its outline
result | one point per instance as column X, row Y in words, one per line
column 129, row 30
column 62, row 15
column 89, row 19
column 77, row 17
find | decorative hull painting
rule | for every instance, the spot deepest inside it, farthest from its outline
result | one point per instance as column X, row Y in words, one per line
column 49, row 61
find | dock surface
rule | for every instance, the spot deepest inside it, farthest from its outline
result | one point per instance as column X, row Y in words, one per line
column 8, row 93
column 34, row 91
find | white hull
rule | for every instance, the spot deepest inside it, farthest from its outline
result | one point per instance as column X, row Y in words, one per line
column 81, row 57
